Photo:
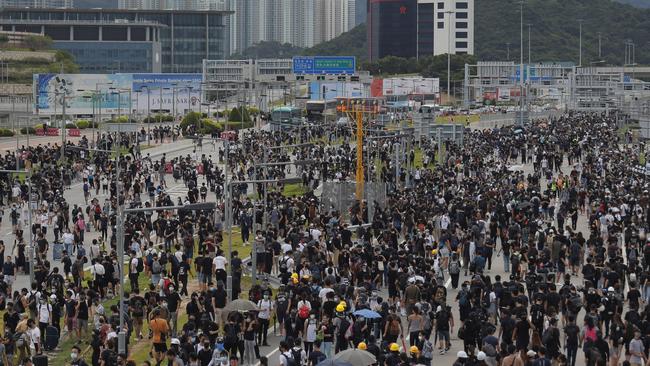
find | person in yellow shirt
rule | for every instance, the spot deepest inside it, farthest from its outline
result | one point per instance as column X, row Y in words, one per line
column 160, row 329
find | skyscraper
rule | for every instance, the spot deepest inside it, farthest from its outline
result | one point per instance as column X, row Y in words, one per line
column 392, row 28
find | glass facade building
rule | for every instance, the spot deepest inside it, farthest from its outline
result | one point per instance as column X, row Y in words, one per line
column 113, row 57
column 392, row 28
column 185, row 37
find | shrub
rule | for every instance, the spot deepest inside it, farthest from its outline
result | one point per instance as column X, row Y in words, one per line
column 40, row 125
column 190, row 119
column 5, row 132
column 28, row 130
column 82, row 124
column 209, row 126
column 70, row 125
column 37, row 42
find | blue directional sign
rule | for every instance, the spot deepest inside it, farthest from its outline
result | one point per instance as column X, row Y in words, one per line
column 324, row 65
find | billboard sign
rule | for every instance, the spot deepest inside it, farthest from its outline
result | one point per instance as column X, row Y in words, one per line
column 148, row 92
column 326, row 65
column 405, row 86
column 332, row 90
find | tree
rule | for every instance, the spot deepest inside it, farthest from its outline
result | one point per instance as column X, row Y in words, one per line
column 37, row 43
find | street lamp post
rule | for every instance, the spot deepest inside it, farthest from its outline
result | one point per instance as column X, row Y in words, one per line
column 449, row 12
column 580, row 44
column 521, row 63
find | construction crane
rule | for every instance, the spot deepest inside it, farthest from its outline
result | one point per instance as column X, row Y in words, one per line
column 358, row 112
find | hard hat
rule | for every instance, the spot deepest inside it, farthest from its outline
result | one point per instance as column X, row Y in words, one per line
column 481, row 356
column 295, row 281
column 462, row 354
column 434, row 251
column 294, row 275
column 362, row 346
column 414, row 349
column 340, row 308
column 394, row 347
column 610, row 289
column 344, row 304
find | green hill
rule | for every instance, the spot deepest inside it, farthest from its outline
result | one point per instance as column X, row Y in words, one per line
column 637, row 3
column 555, row 30
column 554, row 35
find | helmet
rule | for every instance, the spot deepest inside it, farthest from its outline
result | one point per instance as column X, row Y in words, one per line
column 414, row 349
column 434, row 251
column 294, row 275
column 462, row 354
column 340, row 308
column 481, row 356
column 295, row 280
column 362, row 346
column 344, row 304
column 394, row 347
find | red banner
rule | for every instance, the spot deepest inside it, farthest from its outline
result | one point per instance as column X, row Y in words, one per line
column 74, row 132
column 48, row 132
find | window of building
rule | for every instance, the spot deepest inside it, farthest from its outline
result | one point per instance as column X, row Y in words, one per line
column 461, row 25
column 461, row 44
column 460, row 15
column 57, row 33
column 138, row 34
column 86, row 33
column 441, row 15
column 441, row 25
column 441, row 5
column 114, row 33
column 461, row 34
column 461, row 5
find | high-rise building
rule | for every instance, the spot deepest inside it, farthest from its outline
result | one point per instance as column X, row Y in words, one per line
column 419, row 28
column 392, row 28
column 454, row 27
column 303, row 23
column 36, row 3
column 195, row 5
column 361, row 12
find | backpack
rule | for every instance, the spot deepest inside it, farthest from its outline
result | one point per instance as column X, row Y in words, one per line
column 156, row 268
column 462, row 298
column 343, row 327
column 231, row 337
column 283, row 264
column 303, row 312
column 489, row 350
column 454, row 267
column 393, row 327
column 32, row 301
column 140, row 266
column 166, row 283
column 297, row 355
column 289, row 359
column 590, row 334
column 575, row 303
column 112, row 357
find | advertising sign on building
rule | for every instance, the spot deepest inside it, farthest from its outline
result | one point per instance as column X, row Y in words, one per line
column 405, row 86
column 109, row 93
column 326, row 65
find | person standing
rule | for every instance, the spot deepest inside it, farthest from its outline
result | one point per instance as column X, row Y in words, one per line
column 265, row 306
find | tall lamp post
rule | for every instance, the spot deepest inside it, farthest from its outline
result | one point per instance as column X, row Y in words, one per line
column 449, row 13
column 580, row 44
column 521, row 63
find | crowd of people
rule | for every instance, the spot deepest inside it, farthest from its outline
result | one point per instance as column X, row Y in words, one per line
column 523, row 246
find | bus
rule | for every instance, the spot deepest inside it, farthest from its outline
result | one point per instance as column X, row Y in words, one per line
column 370, row 105
column 320, row 107
column 286, row 117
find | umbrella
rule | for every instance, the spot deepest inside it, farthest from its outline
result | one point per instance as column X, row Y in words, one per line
column 331, row 362
column 238, row 305
column 524, row 205
column 367, row 313
column 356, row 357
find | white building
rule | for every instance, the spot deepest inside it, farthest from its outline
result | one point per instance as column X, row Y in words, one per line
column 453, row 26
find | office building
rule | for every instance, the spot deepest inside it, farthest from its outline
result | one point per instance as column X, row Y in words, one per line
column 194, row 5
column 185, row 38
column 392, row 28
column 361, row 12
column 454, row 27
column 36, row 3
column 420, row 28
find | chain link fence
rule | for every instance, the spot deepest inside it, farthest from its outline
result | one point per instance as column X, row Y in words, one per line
column 341, row 196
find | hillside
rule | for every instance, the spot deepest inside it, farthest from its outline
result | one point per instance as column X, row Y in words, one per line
column 637, row 3
column 352, row 43
column 555, row 30
column 554, row 35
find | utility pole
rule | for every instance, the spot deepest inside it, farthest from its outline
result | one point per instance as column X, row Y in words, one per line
column 529, row 58
column 600, row 54
column 580, row 45
column 521, row 63
column 508, row 51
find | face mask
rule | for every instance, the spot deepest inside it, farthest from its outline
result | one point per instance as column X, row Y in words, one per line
column 312, row 316
column 266, row 297
column 74, row 356
column 164, row 304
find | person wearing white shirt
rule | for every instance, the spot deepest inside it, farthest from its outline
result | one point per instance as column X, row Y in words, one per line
column 219, row 264
column 44, row 314
column 68, row 240
column 265, row 307
column 35, row 336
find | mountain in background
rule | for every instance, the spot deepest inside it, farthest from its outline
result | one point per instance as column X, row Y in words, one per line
column 90, row 4
column 637, row 3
